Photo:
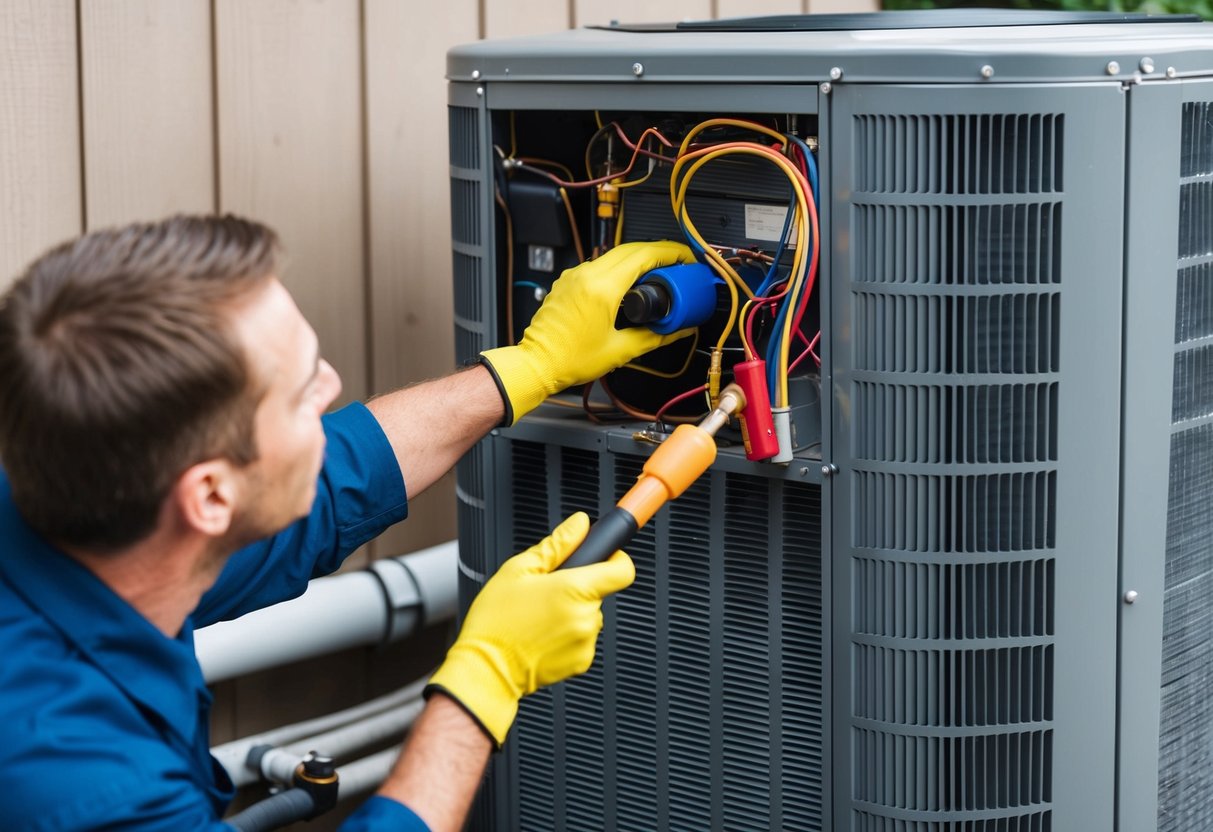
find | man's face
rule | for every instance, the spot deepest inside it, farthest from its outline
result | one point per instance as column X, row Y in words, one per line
column 299, row 385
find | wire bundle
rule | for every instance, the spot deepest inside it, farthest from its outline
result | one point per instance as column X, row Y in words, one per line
column 780, row 300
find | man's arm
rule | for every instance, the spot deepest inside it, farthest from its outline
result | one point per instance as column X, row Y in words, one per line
column 439, row 772
column 430, row 425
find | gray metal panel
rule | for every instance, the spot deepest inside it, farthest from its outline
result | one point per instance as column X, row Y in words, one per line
column 1152, row 215
column 704, row 708
column 976, row 401
column 1022, row 54
column 1185, row 776
column 751, row 98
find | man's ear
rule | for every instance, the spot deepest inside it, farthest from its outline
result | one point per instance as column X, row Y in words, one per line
column 205, row 496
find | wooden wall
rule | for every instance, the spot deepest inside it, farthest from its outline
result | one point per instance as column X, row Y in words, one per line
column 325, row 119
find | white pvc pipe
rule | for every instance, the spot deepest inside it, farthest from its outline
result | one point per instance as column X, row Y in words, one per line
column 391, row 599
column 232, row 755
column 361, row 776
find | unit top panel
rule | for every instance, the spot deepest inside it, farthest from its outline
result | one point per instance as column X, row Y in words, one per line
column 1123, row 51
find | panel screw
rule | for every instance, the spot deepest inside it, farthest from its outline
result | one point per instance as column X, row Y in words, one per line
column 804, row 472
column 987, row 71
column 1171, row 73
column 829, row 469
column 479, row 90
column 835, row 73
column 1146, row 65
column 638, row 69
column 475, row 75
column 1131, row 596
column 1112, row 68
column 826, row 87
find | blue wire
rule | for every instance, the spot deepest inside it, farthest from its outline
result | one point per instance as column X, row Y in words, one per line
column 527, row 284
column 773, row 346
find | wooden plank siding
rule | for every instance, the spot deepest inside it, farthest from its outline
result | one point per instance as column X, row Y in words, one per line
column 149, row 128
column 41, row 191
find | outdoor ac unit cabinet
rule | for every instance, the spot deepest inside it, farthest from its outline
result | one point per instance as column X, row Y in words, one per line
column 980, row 597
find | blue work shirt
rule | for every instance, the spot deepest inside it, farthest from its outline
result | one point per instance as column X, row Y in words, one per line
column 104, row 721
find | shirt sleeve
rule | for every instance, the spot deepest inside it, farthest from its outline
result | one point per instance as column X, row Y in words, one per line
column 360, row 493
column 382, row 813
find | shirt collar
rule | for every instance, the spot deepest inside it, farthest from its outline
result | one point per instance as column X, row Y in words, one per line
column 158, row 672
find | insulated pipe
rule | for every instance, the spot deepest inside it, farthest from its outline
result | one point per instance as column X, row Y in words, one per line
column 361, row 776
column 389, row 600
column 233, row 755
column 279, row 764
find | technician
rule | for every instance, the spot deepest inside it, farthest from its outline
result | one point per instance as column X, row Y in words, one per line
column 166, row 465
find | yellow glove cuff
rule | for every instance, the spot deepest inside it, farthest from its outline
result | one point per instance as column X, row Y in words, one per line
column 522, row 388
column 471, row 677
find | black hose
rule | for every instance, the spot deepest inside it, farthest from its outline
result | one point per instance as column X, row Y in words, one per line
column 283, row 808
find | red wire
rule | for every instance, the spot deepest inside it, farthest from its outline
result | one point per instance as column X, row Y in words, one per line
column 807, row 351
column 681, row 397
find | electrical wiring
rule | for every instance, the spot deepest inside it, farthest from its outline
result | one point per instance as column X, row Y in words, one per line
column 686, row 365
column 509, row 265
column 568, row 207
column 766, row 294
column 681, row 397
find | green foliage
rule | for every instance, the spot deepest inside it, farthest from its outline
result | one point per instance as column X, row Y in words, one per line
column 1204, row 8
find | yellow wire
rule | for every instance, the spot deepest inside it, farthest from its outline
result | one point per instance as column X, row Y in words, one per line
column 732, row 279
column 731, row 122
column 619, row 223
column 568, row 207
column 800, row 257
column 686, row 365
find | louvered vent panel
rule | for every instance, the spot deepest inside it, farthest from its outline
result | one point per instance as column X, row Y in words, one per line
column 1195, row 297
column 1185, row 776
column 954, row 486
column 690, row 659
column 462, row 125
column 1041, row 822
column 959, row 154
column 467, row 286
column 1193, row 384
column 468, row 343
column 958, row 245
column 465, row 211
column 534, row 735
column 957, row 334
column 802, row 681
column 584, row 695
column 957, row 424
column 746, row 712
column 636, row 639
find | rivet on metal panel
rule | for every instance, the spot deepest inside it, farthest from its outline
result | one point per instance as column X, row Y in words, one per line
column 479, row 90
column 987, row 71
column 475, row 75
column 1131, row 596
column 829, row 469
column 835, row 73
column 826, row 87
column 1171, row 72
column 494, row 432
column 638, row 69
column 1146, row 65
column 804, row 472
column 1112, row 68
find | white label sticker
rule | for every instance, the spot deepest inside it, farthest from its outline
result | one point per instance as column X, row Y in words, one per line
column 765, row 222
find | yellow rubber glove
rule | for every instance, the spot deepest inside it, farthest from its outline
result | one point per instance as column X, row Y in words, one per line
column 572, row 338
column 529, row 627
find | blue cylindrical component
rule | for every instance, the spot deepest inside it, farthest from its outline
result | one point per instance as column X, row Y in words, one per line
column 692, row 290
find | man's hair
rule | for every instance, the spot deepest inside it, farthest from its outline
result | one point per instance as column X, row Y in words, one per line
column 120, row 368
